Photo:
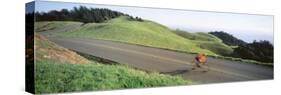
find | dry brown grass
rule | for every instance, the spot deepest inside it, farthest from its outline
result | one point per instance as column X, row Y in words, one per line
column 46, row 50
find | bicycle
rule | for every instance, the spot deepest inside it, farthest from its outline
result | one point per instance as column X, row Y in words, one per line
column 204, row 66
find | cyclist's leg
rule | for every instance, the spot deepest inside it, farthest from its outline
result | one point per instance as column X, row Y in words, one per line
column 206, row 67
column 196, row 65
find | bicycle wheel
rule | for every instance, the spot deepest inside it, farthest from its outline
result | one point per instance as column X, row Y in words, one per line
column 206, row 67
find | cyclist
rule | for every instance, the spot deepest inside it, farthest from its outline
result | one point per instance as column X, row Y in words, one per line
column 201, row 59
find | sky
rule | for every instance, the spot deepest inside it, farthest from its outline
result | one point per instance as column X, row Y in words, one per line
column 243, row 26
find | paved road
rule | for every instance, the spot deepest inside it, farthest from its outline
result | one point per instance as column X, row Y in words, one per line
column 167, row 62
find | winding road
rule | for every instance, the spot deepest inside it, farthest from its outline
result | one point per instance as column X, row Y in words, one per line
column 166, row 61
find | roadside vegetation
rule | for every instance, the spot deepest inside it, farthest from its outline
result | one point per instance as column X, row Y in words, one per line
column 58, row 71
column 55, row 77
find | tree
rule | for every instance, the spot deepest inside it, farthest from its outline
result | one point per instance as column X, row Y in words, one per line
column 228, row 38
column 82, row 14
column 258, row 50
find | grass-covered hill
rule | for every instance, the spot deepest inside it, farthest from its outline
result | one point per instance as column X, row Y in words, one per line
column 62, row 70
column 197, row 36
column 146, row 33
column 228, row 38
column 151, row 34
column 207, row 41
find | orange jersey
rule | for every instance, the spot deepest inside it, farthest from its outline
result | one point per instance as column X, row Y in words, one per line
column 202, row 58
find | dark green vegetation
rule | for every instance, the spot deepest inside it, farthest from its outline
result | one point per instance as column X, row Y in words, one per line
column 260, row 51
column 81, row 14
column 228, row 38
column 72, row 72
column 257, row 50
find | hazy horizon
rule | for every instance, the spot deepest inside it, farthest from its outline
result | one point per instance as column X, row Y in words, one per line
column 243, row 26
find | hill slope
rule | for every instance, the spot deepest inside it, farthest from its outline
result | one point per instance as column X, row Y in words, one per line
column 145, row 33
column 46, row 50
column 207, row 41
column 200, row 36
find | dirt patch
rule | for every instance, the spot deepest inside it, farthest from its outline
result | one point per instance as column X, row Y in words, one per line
column 46, row 50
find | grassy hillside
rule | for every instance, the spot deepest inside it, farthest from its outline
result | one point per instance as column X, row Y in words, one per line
column 145, row 33
column 57, row 26
column 197, row 36
column 61, row 70
column 207, row 41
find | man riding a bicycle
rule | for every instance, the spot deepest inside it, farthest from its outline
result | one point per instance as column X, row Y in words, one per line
column 201, row 59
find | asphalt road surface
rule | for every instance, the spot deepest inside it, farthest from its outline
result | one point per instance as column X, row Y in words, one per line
column 167, row 62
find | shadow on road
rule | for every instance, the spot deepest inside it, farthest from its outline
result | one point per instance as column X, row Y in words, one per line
column 176, row 72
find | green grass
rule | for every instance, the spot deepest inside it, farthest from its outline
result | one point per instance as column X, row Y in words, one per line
column 58, row 25
column 207, row 41
column 145, row 33
column 53, row 77
column 198, row 36
column 216, row 47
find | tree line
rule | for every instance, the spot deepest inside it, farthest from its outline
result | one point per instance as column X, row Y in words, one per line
column 228, row 38
column 257, row 50
column 82, row 14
